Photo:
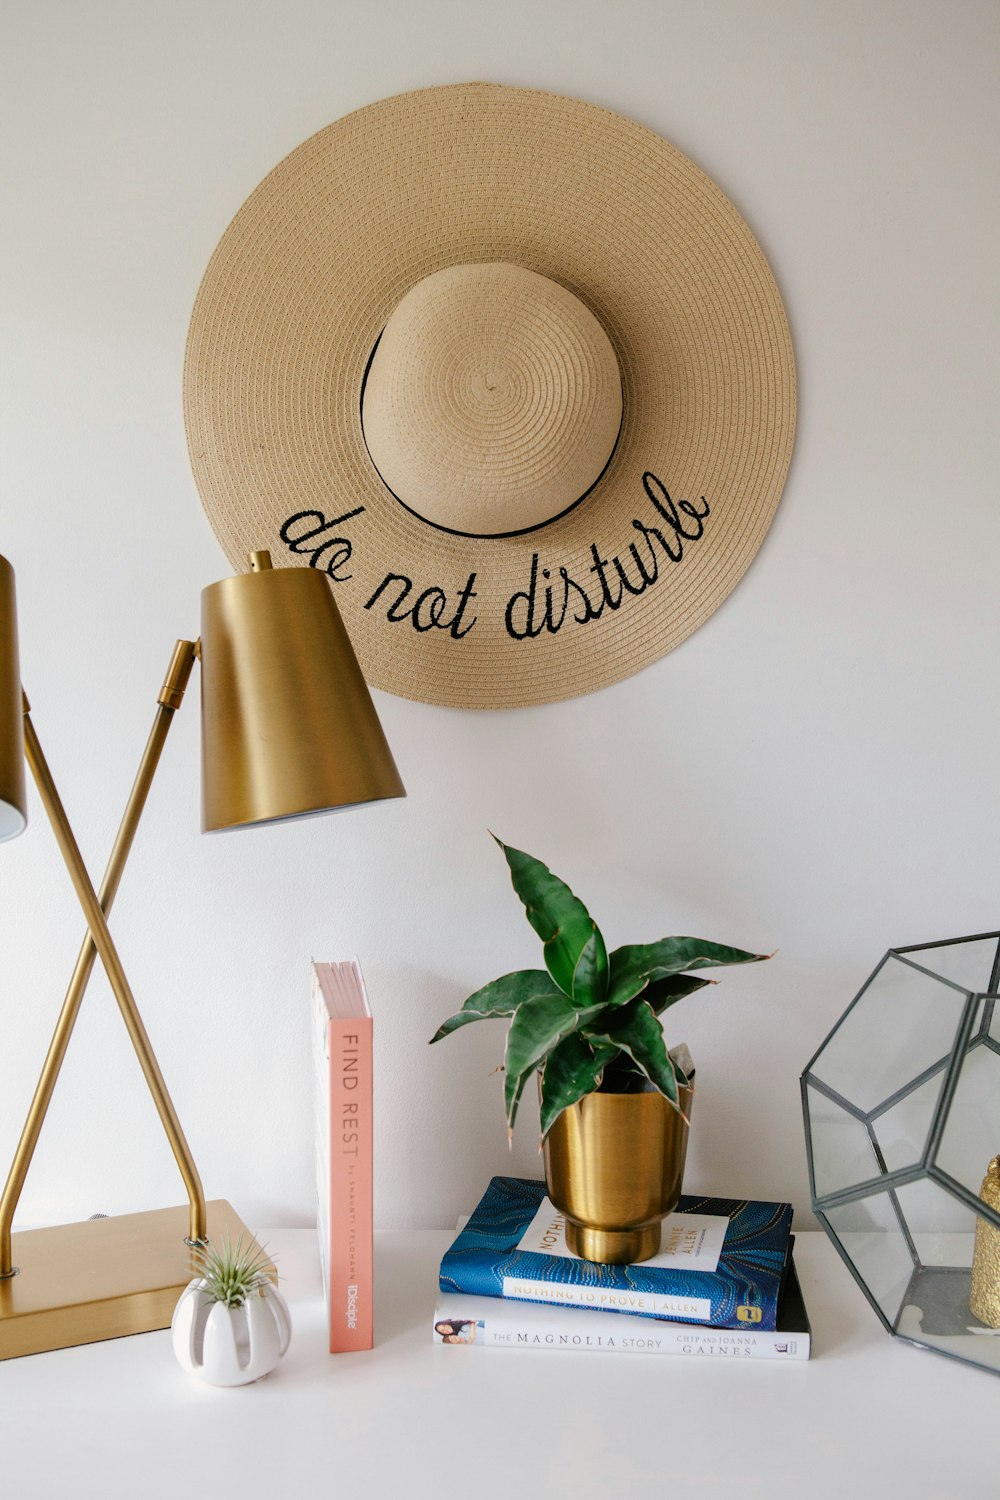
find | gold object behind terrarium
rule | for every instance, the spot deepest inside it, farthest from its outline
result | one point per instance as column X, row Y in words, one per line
column 984, row 1294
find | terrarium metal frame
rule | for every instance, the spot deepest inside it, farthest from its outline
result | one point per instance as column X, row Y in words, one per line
column 968, row 1038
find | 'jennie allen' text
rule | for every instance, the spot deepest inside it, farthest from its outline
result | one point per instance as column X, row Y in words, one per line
column 552, row 597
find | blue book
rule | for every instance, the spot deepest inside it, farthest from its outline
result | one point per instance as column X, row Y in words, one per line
column 722, row 1261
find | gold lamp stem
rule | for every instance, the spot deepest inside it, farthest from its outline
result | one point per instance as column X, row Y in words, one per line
column 99, row 942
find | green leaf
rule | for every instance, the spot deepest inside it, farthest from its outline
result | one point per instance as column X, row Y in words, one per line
column 636, row 1030
column 662, row 993
column 538, row 1024
column 500, row 997
column 633, row 967
column 561, row 920
column 590, row 977
column 512, row 1098
column 573, row 1068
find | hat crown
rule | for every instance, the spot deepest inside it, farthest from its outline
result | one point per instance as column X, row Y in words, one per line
column 493, row 401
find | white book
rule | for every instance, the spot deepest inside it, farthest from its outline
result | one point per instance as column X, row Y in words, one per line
column 499, row 1323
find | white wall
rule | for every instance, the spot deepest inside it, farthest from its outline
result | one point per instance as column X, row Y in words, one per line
column 813, row 771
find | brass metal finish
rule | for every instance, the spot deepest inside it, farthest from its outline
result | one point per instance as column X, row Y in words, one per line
column 179, row 671
column 101, row 1279
column 984, row 1298
column 614, row 1165
column 13, row 799
column 289, row 729
column 288, row 725
column 105, row 946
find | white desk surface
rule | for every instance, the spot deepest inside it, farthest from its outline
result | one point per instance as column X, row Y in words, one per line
column 869, row 1416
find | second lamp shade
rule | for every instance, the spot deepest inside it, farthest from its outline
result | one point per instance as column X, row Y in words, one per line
column 288, row 725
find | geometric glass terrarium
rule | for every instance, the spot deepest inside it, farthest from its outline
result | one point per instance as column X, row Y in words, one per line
column 902, row 1119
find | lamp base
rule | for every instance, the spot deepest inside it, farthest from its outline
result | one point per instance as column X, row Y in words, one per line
column 102, row 1279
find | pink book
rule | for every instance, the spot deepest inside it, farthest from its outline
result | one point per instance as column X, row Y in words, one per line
column 343, row 1055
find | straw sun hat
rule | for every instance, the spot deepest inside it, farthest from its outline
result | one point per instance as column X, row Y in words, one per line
column 512, row 371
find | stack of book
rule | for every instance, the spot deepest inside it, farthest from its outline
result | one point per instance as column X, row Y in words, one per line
column 723, row 1283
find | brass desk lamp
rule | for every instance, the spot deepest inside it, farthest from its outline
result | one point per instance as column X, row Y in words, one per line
column 288, row 730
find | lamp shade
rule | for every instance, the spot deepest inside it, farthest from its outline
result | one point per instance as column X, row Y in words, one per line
column 288, row 725
column 13, row 805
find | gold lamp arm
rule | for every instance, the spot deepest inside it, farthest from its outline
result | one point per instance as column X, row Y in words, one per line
column 99, row 942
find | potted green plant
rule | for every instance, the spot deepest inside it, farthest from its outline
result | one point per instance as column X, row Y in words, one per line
column 614, row 1099
column 231, row 1325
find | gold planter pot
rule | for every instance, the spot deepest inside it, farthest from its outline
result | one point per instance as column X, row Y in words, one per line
column 613, row 1166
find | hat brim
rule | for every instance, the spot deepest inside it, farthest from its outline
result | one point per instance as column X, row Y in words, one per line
column 299, row 290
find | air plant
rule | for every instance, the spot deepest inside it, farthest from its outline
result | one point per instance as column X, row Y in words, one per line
column 231, row 1273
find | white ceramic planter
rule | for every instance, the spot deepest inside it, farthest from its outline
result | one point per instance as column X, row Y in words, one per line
column 229, row 1345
